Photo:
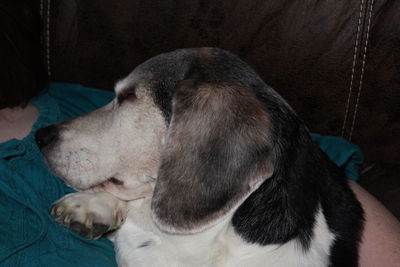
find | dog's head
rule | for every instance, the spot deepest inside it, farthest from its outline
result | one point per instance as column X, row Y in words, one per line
column 194, row 127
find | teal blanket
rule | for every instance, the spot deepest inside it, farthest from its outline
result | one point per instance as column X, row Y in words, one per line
column 28, row 234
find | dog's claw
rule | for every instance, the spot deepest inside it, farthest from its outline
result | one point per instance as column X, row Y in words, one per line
column 94, row 231
column 80, row 229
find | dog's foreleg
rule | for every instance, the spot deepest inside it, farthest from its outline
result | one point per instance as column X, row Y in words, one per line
column 90, row 214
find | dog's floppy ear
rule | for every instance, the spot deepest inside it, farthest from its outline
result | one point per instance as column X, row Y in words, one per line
column 216, row 153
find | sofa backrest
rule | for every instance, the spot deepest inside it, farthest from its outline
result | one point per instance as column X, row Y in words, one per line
column 22, row 74
column 336, row 62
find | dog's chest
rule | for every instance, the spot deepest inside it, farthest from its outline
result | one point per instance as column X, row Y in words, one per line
column 139, row 243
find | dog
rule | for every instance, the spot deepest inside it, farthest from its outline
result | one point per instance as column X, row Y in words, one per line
column 197, row 162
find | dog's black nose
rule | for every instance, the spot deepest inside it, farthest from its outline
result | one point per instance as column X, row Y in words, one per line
column 46, row 136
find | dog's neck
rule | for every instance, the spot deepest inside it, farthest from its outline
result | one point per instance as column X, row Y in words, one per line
column 285, row 205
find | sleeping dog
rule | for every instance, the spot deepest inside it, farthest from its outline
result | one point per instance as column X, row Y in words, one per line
column 197, row 162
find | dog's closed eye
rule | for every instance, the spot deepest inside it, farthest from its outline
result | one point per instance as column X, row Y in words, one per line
column 126, row 95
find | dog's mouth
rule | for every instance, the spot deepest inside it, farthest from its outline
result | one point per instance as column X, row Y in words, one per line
column 104, row 185
column 96, row 187
column 120, row 190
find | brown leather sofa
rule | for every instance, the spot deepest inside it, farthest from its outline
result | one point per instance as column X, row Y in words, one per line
column 336, row 62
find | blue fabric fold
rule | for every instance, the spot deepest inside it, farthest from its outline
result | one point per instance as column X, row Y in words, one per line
column 29, row 236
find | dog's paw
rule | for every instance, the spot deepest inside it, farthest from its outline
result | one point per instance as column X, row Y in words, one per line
column 90, row 214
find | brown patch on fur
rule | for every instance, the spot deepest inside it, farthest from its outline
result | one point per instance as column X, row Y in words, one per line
column 205, row 53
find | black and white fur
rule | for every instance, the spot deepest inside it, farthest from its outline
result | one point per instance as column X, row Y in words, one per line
column 197, row 162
